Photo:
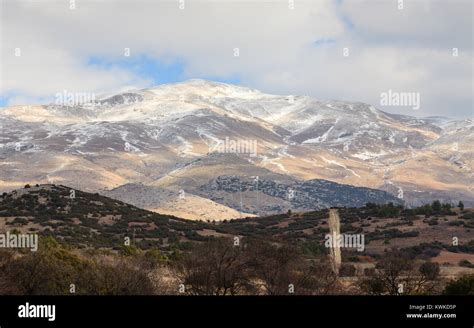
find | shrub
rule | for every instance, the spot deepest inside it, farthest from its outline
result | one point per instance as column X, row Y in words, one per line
column 347, row 270
column 53, row 268
column 461, row 286
column 466, row 264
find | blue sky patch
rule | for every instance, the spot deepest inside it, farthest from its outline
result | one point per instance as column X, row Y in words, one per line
column 146, row 67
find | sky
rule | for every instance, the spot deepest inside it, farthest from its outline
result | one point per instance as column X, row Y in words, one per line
column 328, row 49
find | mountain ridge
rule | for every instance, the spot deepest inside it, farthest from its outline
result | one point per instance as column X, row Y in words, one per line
column 143, row 136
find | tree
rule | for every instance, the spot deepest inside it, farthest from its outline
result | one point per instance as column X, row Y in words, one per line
column 436, row 206
column 282, row 269
column 461, row 286
column 274, row 267
column 429, row 270
column 461, row 205
column 396, row 274
column 446, row 207
column 216, row 267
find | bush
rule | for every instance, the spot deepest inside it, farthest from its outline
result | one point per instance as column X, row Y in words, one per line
column 461, row 286
column 347, row 270
column 466, row 264
column 54, row 268
column 430, row 270
column 433, row 222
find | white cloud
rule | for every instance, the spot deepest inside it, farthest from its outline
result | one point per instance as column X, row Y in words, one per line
column 407, row 50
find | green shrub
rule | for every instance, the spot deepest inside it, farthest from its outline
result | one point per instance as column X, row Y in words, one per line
column 461, row 286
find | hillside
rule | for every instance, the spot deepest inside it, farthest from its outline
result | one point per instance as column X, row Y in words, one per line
column 88, row 219
column 167, row 201
column 93, row 220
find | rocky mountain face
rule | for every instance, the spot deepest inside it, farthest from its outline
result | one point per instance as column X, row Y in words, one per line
column 268, row 196
column 196, row 141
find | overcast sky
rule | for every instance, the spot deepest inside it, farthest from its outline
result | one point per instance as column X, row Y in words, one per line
column 283, row 49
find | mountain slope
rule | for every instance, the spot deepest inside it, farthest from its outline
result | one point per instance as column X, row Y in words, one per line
column 170, row 202
column 185, row 135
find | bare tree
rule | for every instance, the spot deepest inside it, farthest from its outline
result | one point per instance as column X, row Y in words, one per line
column 214, row 268
column 395, row 274
column 281, row 269
column 274, row 268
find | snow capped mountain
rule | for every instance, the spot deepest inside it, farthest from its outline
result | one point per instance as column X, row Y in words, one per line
column 170, row 135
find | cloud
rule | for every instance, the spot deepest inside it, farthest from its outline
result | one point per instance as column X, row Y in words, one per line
column 281, row 50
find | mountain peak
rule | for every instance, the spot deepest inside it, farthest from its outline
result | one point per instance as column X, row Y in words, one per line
column 204, row 88
column 184, row 133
